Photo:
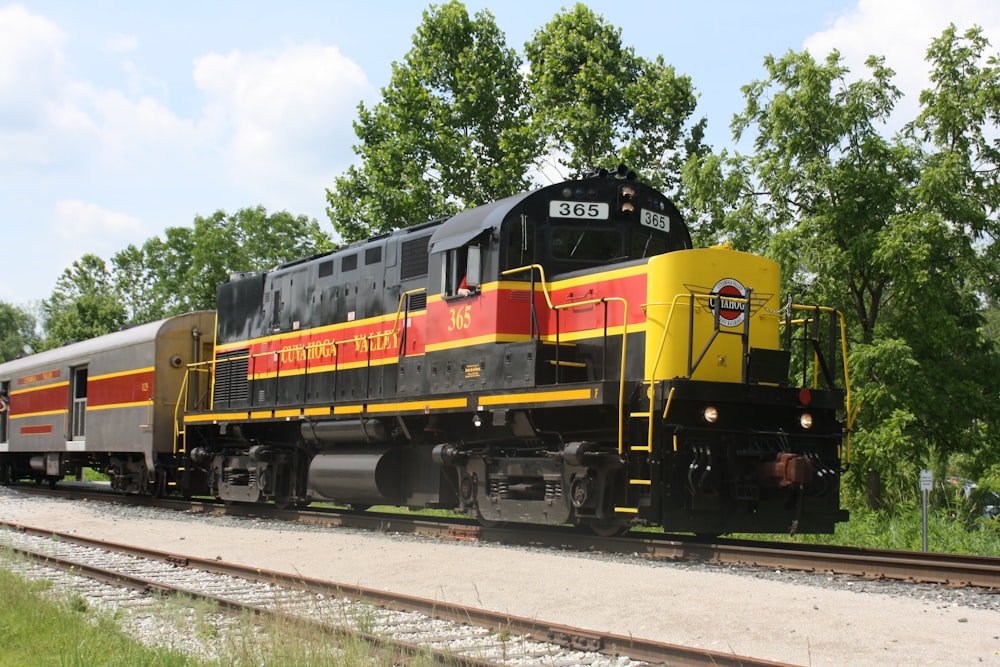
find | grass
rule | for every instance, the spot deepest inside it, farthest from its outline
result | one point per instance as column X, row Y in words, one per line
column 73, row 634
column 91, row 475
column 951, row 528
column 77, row 635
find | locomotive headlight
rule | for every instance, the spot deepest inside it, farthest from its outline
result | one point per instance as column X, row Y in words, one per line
column 806, row 420
column 710, row 414
column 477, row 420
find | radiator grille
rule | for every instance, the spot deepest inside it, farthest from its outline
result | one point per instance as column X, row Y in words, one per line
column 231, row 378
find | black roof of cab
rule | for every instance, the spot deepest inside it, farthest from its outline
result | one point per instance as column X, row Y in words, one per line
column 467, row 225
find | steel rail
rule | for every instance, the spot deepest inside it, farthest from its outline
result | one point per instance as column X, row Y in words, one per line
column 117, row 578
column 648, row 651
column 954, row 570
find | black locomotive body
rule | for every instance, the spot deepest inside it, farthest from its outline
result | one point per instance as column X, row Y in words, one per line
column 559, row 356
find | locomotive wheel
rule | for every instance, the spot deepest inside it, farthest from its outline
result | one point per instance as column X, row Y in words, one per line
column 159, row 487
column 290, row 504
column 489, row 523
column 607, row 527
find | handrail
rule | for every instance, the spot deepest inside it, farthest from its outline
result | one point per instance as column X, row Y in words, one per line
column 182, row 394
column 850, row 409
column 577, row 304
column 851, row 412
column 621, row 373
column 212, row 364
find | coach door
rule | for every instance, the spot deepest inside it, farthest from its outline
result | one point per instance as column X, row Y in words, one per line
column 4, row 409
column 78, row 410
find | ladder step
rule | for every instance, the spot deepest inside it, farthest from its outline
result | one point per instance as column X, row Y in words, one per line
column 627, row 510
column 571, row 364
column 640, row 482
column 640, row 448
column 643, row 415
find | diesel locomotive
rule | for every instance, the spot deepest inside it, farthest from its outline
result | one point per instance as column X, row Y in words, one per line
column 562, row 356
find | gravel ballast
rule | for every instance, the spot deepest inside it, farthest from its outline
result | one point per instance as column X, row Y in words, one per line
column 796, row 618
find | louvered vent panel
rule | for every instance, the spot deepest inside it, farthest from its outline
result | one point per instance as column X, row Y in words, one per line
column 231, row 378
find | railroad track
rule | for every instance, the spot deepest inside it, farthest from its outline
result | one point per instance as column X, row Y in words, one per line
column 952, row 570
column 404, row 625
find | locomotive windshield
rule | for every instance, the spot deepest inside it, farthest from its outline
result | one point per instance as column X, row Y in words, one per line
column 588, row 223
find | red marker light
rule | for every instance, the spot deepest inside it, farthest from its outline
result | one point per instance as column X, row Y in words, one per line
column 805, row 396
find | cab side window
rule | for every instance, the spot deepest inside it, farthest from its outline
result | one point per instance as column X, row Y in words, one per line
column 462, row 271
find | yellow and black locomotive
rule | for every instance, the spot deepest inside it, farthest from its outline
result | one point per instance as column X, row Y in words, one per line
column 559, row 356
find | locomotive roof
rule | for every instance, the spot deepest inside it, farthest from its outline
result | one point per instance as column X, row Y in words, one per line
column 81, row 350
column 467, row 225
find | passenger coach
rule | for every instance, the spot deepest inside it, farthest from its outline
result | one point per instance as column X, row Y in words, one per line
column 108, row 403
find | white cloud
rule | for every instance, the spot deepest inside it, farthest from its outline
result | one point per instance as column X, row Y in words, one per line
column 76, row 219
column 284, row 109
column 32, row 66
column 120, row 43
column 902, row 30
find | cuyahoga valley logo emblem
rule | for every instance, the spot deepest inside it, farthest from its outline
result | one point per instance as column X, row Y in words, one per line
column 731, row 296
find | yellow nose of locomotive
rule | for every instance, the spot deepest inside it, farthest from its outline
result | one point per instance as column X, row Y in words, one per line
column 700, row 305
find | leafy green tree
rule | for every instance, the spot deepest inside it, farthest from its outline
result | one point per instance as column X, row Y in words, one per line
column 594, row 100
column 185, row 267
column 879, row 228
column 17, row 332
column 136, row 286
column 83, row 304
column 450, row 132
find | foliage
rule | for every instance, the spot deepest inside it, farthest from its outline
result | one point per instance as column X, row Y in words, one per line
column 17, row 332
column 181, row 270
column 459, row 125
column 593, row 99
column 895, row 232
column 952, row 527
column 83, row 304
column 450, row 132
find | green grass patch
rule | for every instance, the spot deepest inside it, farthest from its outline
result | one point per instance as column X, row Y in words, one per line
column 37, row 630
column 950, row 529
column 40, row 627
column 91, row 475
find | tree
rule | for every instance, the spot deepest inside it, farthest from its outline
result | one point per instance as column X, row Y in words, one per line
column 450, row 132
column 83, row 304
column 851, row 217
column 188, row 264
column 136, row 286
column 17, row 332
column 593, row 100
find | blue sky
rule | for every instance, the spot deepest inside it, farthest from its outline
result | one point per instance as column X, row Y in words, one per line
column 119, row 119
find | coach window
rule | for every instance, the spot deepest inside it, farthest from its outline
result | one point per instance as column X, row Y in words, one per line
column 462, row 271
column 78, row 416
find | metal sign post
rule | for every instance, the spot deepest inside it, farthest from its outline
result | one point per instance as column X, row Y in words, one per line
column 926, row 482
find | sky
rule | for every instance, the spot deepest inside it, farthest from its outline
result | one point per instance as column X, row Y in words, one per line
column 119, row 119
